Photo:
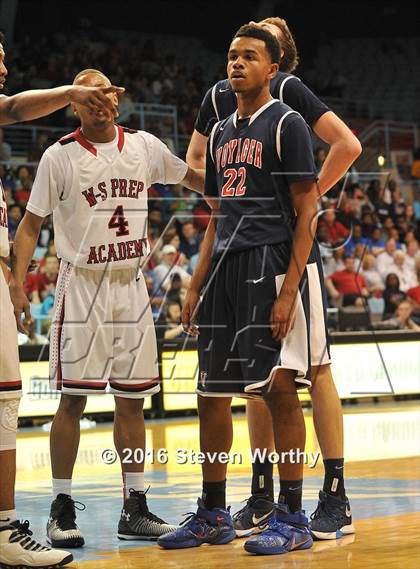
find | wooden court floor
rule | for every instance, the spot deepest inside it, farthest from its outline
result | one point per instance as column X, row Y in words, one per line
column 382, row 481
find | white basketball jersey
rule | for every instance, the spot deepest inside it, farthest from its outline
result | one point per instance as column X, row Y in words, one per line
column 98, row 195
column 4, row 231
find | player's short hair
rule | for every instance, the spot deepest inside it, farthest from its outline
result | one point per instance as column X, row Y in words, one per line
column 88, row 72
column 290, row 59
column 271, row 43
column 2, row 39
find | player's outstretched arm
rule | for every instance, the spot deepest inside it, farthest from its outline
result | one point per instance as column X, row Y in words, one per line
column 31, row 105
column 304, row 198
column 344, row 149
column 23, row 248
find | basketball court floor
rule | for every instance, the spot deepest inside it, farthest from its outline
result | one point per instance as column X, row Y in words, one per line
column 382, row 482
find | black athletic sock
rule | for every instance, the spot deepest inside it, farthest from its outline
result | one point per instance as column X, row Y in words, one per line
column 214, row 494
column 291, row 494
column 262, row 478
column 334, row 477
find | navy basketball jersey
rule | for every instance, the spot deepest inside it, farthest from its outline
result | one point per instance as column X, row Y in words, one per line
column 250, row 166
column 220, row 101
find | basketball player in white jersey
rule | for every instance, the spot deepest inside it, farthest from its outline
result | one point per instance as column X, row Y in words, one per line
column 95, row 182
column 17, row 548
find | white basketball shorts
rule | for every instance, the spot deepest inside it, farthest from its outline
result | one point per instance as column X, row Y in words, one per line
column 10, row 382
column 103, row 332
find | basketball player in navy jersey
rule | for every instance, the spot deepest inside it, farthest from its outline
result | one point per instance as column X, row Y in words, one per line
column 254, row 322
column 332, row 517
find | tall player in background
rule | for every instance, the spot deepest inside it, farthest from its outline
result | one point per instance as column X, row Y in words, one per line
column 17, row 548
column 95, row 182
column 331, row 518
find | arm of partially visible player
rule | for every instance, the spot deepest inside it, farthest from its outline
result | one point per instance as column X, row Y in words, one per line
column 206, row 119
column 344, row 146
column 31, row 105
column 196, row 153
column 344, row 149
column 24, row 246
column 44, row 198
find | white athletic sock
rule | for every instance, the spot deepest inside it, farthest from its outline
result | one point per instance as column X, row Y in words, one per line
column 6, row 517
column 61, row 486
column 134, row 480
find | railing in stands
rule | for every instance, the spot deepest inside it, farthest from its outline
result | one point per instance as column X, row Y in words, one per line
column 372, row 109
column 161, row 120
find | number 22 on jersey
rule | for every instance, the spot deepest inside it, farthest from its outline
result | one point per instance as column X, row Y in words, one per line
column 228, row 189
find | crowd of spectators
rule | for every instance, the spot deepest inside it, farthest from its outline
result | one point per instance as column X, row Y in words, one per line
column 139, row 65
column 369, row 240
column 369, row 234
column 369, row 244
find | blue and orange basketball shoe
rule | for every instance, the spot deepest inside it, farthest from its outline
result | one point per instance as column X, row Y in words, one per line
column 285, row 532
column 206, row 526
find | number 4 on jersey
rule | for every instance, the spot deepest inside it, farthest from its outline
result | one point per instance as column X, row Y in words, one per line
column 119, row 222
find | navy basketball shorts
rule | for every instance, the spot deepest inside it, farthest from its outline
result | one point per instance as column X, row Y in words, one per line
column 237, row 353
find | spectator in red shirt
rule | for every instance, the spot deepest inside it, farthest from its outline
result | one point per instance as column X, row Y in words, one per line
column 30, row 287
column 337, row 233
column 46, row 279
column 347, row 285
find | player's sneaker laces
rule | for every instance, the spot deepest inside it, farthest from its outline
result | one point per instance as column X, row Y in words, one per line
column 19, row 550
column 253, row 517
column 205, row 526
column 332, row 517
column 62, row 530
column 285, row 532
column 137, row 522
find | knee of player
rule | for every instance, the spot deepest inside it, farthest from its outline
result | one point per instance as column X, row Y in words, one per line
column 282, row 402
column 73, row 404
column 126, row 407
column 8, row 423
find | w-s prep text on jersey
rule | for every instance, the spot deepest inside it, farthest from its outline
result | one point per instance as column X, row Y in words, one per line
column 98, row 195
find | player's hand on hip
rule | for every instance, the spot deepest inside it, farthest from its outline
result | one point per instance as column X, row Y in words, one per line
column 283, row 316
column 189, row 312
column 20, row 305
column 96, row 99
